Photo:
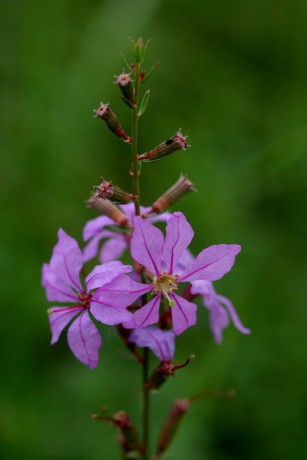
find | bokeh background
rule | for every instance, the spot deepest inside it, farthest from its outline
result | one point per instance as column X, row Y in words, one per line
column 233, row 76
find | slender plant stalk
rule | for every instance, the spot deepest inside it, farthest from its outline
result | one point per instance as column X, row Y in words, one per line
column 134, row 145
column 146, row 405
column 136, row 191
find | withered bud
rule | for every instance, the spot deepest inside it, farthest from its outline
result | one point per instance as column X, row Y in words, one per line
column 128, row 437
column 172, row 195
column 179, row 408
column 112, row 122
column 177, row 142
column 171, row 424
column 109, row 209
column 107, row 191
column 162, row 372
column 124, row 81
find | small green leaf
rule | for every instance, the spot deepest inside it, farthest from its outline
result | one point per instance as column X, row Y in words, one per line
column 147, row 74
column 144, row 103
column 125, row 61
column 127, row 102
column 132, row 45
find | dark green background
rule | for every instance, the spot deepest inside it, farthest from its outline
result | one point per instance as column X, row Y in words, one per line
column 233, row 76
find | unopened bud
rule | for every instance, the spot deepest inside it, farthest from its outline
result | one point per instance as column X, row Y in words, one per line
column 171, row 424
column 179, row 408
column 124, row 81
column 109, row 209
column 172, row 195
column 159, row 376
column 138, row 49
column 177, row 142
column 162, row 372
column 128, row 437
column 112, row 122
column 107, row 191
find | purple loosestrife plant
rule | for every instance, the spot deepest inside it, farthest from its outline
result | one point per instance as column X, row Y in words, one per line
column 152, row 300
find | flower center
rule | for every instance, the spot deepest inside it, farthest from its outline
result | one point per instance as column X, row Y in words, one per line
column 85, row 299
column 165, row 283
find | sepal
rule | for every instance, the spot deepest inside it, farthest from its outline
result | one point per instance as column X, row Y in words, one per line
column 106, row 113
column 176, row 142
column 107, row 191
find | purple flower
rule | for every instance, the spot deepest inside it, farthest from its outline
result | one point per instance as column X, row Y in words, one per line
column 220, row 309
column 102, row 296
column 95, row 230
column 162, row 343
column 160, row 258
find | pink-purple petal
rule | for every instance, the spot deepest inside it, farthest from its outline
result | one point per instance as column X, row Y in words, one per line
column 183, row 314
column 67, row 261
column 90, row 250
column 164, row 217
column 105, row 273
column 203, row 288
column 121, row 292
column 146, row 245
column 109, row 314
column 56, row 289
column 149, row 313
column 94, row 226
column 162, row 343
column 219, row 320
column 186, row 259
column 129, row 210
column 113, row 248
column 220, row 309
column 212, row 263
column 84, row 340
column 179, row 235
column 233, row 314
column 59, row 317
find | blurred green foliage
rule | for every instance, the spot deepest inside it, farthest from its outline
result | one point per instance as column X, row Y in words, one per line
column 233, row 76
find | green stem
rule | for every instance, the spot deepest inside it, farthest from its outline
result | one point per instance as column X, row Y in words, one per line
column 146, row 405
column 136, row 191
column 134, row 145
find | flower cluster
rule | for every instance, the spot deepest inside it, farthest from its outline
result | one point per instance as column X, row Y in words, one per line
column 110, row 296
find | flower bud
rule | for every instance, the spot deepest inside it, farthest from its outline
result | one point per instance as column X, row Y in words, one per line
column 124, row 81
column 107, row 191
column 110, row 210
column 138, row 49
column 177, row 142
column 162, row 372
column 112, row 122
column 171, row 424
column 128, row 437
column 172, row 195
